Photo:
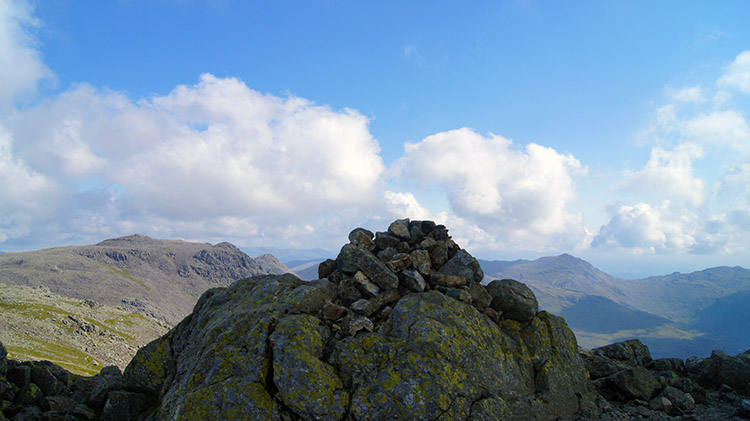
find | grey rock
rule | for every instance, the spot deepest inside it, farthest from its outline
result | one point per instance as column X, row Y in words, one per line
column 30, row 395
column 600, row 366
column 124, row 405
column 400, row 228
column 399, row 262
column 348, row 291
column 675, row 365
column 680, row 400
column 448, row 281
column 631, row 352
column 383, row 240
column 721, row 368
column 325, row 268
column 333, row 311
column 20, row 375
column 363, row 238
column 346, row 261
column 661, row 403
column 387, row 254
column 633, row 383
column 363, row 307
column 359, row 322
column 428, row 244
column 459, row 294
column 412, row 280
column 420, row 259
column 60, row 403
column 363, row 284
column 439, row 256
column 479, row 296
column 49, row 384
column 515, row 300
column 463, row 264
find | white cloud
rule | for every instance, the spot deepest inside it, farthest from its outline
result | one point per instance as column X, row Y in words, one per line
column 21, row 66
column 405, row 205
column 214, row 156
column 719, row 129
column 24, row 194
column 520, row 195
column 737, row 75
column 643, row 228
column 671, row 173
column 694, row 94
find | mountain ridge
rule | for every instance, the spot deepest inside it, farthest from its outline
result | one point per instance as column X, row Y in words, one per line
column 561, row 282
column 162, row 278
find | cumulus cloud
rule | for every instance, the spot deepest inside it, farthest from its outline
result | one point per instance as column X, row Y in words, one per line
column 670, row 173
column 737, row 75
column 21, row 65
column 520, row 195
column 23, row 192
column 643, row 228
column 719, row 128
column 215, row 153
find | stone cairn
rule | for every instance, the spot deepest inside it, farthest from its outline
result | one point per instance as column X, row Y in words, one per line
column 373, row 271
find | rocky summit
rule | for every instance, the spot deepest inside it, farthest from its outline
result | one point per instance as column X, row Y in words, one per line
column 398, row 327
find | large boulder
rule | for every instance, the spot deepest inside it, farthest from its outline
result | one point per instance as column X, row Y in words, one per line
column 513, row 299
column 721, row 368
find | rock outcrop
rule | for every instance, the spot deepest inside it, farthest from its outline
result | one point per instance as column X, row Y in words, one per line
column 637, row 386
column 398, row 327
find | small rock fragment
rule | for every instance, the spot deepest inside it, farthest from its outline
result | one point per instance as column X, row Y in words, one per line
column 333, row 311
column 362, row 307
column 412, row 280
column 358, row 323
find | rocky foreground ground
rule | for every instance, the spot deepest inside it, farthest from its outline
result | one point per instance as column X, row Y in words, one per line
column 398, row 327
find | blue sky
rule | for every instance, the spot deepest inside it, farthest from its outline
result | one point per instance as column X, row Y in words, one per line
column 614, row 131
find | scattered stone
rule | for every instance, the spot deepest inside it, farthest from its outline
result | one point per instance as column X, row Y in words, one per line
column 681, row 401
column 661, row 403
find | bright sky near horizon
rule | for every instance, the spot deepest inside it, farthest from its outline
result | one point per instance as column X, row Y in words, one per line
column 615, row 131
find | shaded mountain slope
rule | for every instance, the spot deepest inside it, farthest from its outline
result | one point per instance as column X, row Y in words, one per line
column 603, row 309
column 162, row 278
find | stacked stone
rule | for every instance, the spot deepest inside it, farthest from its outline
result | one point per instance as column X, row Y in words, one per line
column 373, row 271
